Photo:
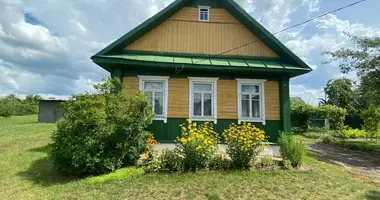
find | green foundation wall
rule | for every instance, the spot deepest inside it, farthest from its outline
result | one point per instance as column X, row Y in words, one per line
column 168, row 132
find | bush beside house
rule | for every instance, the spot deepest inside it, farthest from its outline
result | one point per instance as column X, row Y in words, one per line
column 101, row 132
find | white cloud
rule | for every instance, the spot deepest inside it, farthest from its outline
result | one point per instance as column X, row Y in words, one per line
column 313, row 5
column 308, row 95
column 276, row 14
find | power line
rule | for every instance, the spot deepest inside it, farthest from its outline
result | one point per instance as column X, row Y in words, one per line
column 296, row 25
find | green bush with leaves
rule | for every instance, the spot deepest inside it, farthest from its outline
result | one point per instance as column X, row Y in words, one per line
column 354, row 133
column 101, row 132
column 371, row 118
column 327, row 139
column 12, row 105
column 335, row 115
column 171, row 161
column 7, row 108
column 292, row 149
column 219, row 162
column 301, row 115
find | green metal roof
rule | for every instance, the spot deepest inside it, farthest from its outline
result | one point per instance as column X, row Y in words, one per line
column 207, row 62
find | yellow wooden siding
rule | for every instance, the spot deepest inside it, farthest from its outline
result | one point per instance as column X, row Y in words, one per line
column 178, row 102
column 217, row 15
column 227, row 99
column 130, row 84
column 272, row 100
column 221, row 34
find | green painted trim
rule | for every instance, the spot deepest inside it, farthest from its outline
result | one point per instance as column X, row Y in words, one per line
column 126, row 64
column 196, row 73
column 285, row 104
column 168, row 132
column 231, row 6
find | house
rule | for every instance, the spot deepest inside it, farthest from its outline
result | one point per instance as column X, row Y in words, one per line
column 206, row 60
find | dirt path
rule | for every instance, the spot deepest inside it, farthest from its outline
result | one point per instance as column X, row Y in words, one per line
column 359, row 164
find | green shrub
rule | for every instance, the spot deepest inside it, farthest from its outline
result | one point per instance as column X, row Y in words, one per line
column 100, row 133
column 327, row 139
column 371, row 118
column 312, row 135
column 121, row 174
column 292, row 149
column 219, row 162
column 266, row 162
column 287, row 164
column 335, row 115
column 301, row 115
column 354, row 133
column 171, row 161
column 151, row 164
column 11, row 105
column 197, row 144
column 243, row 144
column 6, row 108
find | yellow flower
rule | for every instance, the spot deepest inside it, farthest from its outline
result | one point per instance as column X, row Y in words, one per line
column 198, row 147
column 203, row 155
column 145, row 156
column 194, row 124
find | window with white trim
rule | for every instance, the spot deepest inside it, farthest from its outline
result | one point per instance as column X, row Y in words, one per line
column 156, row 89
column 202, row 99
column 251, row 103
column 204, row 13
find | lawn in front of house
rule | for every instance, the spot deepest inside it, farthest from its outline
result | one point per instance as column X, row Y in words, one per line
column 27, row 173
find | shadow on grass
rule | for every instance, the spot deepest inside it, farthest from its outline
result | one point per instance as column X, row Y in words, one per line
column 372, row 195
column 42, row 149
column 43, row 173
column 334, row 155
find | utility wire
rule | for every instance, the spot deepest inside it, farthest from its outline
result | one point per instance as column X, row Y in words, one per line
column 296, row 25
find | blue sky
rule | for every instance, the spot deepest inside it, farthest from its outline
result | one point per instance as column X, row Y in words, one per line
column 46, row 45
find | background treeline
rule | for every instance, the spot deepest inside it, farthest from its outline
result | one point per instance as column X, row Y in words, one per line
column 11, row 105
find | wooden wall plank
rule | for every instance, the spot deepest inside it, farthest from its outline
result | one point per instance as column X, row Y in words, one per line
column 178, row 102
column 272, row 100
column 130, row 84
column 227, row 99
column 183, row 33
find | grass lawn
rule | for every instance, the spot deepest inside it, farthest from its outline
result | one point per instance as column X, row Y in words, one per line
column 27, row 173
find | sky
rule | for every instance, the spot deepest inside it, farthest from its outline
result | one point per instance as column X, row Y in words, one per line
column 46, row 45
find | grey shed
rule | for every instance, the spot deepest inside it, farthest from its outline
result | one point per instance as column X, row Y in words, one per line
column 50, row 111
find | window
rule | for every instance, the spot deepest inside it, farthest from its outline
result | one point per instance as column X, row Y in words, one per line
column 251, row 103
column 156, row 89
column 204, row 13
column 203, row 99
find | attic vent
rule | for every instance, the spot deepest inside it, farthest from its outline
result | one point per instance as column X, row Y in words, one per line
column 204, row 13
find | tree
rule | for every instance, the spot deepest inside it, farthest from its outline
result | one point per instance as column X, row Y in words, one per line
column 32, row 99
column 365, row 60
column 340, row 93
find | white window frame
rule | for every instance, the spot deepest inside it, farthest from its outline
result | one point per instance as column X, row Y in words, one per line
column 208, row 13
column 214, row 107
column 257, row 82
column 165, row 80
